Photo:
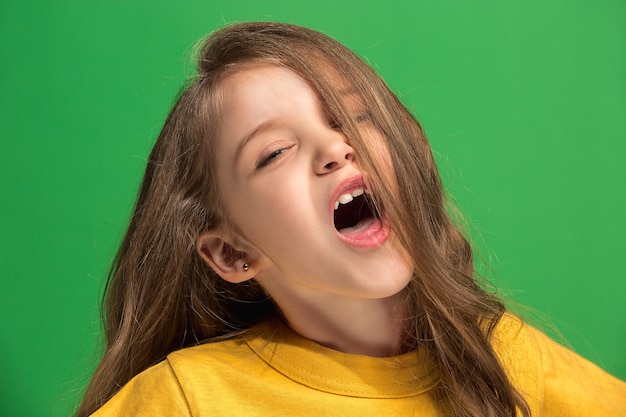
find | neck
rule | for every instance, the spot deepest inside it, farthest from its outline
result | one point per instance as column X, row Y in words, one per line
column 372, row 327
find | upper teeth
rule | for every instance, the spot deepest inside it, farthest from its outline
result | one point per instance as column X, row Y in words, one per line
column 347, row 197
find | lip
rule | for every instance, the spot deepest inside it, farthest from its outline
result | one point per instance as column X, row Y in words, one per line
column 375, row 234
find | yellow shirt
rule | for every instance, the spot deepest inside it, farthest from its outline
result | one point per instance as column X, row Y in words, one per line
column 274, row 372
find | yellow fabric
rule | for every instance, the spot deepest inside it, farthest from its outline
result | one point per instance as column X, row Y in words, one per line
column 271, row 371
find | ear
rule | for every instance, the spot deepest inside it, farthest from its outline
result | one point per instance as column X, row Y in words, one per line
column 228, row 258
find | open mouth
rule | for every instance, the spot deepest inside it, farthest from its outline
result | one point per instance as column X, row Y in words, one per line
column 354, row 211
column 355, row 217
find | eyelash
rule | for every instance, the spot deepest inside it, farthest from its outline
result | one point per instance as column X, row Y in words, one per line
column 359, row 118
column 266, row 160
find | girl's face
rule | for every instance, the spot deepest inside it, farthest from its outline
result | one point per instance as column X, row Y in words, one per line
column 287, row 174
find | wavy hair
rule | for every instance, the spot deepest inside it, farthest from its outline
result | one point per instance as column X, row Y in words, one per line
column 161, row 296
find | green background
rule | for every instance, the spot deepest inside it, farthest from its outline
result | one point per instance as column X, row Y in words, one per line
column 524, row 103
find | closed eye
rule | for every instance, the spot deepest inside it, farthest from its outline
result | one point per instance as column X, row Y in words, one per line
column 269, row 158
column 359, row 118
column 363, row 117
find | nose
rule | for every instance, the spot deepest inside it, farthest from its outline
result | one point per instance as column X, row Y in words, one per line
column 332, row 155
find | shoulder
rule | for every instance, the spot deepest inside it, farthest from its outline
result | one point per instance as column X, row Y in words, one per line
column 170, row 387
column 155, row 391
column 555, row 380
column 199, row 365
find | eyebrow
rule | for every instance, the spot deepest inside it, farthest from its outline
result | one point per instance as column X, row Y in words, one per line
column 265, row 125
column 352, row 96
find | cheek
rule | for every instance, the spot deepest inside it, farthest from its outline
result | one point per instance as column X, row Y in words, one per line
column 272, row 214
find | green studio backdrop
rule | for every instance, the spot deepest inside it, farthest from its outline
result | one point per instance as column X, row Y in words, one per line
column 524, row 104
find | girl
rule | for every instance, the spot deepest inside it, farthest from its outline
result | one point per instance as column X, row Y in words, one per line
column 291, row 253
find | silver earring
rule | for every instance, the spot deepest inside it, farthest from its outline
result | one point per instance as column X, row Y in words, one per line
column 245, row 266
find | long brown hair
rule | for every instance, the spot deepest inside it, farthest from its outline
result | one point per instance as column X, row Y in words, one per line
column 161, row 296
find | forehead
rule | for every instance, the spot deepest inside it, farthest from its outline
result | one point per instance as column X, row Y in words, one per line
column 243, row 83
column 318, row 77
column 253, row 91
column 253, row 94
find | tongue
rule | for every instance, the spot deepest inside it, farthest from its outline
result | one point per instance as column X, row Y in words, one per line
column 361, row 226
